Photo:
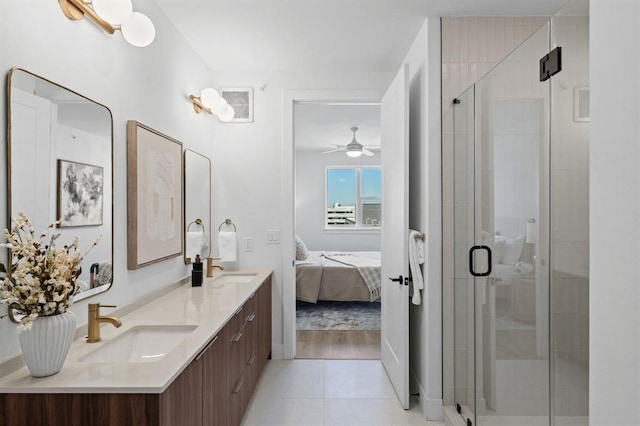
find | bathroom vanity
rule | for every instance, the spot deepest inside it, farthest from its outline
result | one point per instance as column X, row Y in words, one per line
column 190, row 357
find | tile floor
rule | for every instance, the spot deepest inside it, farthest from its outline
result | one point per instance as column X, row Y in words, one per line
column 328, row 392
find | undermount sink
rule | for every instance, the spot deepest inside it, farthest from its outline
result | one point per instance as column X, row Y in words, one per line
column 237, row 278
column 143, row 343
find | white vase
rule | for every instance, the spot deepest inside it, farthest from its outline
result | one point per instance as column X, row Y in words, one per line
column 46, row 345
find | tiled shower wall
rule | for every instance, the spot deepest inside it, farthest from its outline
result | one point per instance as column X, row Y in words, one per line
column 471, row 47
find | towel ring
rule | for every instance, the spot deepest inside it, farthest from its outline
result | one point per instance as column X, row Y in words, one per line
column 227, row 222
column 198, row 221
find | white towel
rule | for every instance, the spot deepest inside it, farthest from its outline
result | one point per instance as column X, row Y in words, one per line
column 416, row 245
column 227, row 246
column 194, row 244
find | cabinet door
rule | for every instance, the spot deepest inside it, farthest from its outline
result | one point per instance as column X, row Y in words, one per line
column 214, row 379
column 235, row 342
column 181, row 403
column 235, row 406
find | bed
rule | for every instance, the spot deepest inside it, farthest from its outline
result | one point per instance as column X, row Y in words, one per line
column 338, row 276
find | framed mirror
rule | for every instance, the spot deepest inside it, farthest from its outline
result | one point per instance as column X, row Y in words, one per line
column 59, row 167
column 197, row 205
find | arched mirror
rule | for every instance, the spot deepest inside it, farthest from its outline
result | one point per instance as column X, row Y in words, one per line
column 60, row 168
column 197, row 205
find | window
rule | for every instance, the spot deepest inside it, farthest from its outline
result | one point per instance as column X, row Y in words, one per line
column 354, row 197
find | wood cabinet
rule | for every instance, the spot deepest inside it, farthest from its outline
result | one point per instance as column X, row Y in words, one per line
column 213, row 390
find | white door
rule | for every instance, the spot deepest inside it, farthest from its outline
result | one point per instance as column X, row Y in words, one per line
column 394, row 129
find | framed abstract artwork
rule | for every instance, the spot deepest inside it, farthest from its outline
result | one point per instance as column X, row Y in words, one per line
column 155, row 220
column 79, row 194
column 241, row 100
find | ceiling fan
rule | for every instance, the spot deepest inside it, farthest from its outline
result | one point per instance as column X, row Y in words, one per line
column 353, row 149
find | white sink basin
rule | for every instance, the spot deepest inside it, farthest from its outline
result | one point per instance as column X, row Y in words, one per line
column 237, row 278
column 143, row 343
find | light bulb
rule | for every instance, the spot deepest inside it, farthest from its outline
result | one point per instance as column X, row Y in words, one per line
column 354, row 154
column 209, row 97
column 138, row 30
column 113, row 11
column 227, row 114
column 219, row 106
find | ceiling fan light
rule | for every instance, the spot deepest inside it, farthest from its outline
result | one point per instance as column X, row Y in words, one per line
column 354, row 152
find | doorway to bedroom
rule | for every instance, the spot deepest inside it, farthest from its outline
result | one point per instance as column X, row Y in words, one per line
column 337, row 224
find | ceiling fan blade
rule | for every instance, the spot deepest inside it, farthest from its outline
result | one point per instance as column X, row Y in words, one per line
column 333, row 150
column 367, row 152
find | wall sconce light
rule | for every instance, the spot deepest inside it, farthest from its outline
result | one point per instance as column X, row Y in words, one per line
column 137, row 29
column 211, row 102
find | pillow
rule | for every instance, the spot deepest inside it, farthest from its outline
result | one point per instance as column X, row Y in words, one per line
column 301, row 249
column 512, row 251
column 498, row 248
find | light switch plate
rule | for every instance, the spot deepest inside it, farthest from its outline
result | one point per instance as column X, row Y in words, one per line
column 273, row 236
column 247, row 244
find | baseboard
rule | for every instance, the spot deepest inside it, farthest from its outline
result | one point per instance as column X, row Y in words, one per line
column 431, row 408
column 277, row 351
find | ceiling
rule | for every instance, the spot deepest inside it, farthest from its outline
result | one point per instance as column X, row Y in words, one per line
column 320, row 125
column 323, row 35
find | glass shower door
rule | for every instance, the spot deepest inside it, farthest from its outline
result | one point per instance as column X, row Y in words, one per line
column 501, row 255
column 464, row 290
column 511, row 189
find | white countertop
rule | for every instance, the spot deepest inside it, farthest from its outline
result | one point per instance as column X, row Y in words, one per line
column 209, row 307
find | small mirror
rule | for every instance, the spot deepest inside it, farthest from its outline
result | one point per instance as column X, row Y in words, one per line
column 60, row 167
column 197, row 205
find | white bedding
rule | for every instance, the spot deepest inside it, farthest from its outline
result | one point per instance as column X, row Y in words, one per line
column 320, row 278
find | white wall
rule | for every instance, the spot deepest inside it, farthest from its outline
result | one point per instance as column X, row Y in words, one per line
column 310, row 203
column 136, row 84
column 614, row 382
column 425, row 209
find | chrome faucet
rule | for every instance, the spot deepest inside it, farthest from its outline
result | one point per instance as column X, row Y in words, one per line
column 95, row 319
column 211, row 266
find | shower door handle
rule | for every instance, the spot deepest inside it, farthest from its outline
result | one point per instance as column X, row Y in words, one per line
column 472, row 271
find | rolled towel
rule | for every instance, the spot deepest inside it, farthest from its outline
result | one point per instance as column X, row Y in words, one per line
column 194, row 244
column 414, row 266
column 227, row 246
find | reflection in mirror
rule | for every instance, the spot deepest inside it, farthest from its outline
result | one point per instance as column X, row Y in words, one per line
column 197, row 205
column 60, row 167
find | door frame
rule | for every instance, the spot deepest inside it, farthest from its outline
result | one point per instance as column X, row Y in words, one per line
column 289, row 98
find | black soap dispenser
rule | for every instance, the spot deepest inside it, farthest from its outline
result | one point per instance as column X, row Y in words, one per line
column 196, row 273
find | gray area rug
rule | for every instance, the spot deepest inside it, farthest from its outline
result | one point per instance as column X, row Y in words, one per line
column 338, row 316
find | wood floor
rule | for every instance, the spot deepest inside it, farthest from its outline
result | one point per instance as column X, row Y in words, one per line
column 338, row 344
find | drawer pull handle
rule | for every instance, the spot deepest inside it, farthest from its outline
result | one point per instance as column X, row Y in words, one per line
column 237, row 388
column 237, row 337
column 253, row 358
column 251, row 317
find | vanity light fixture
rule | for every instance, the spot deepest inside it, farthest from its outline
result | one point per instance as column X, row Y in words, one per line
column 211, row 102
column 111, row 15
